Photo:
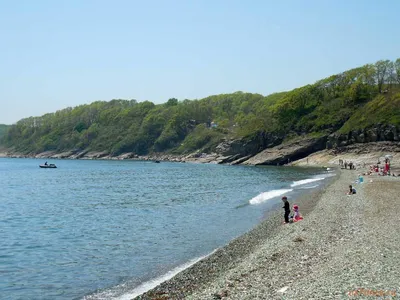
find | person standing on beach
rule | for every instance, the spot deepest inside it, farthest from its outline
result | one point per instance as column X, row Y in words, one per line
column 286, row 206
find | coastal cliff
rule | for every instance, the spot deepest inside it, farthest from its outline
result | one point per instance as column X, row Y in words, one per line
column 376, row 133
column 354, row 107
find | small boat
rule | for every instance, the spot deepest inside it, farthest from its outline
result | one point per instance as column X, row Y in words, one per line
column 50, row 166
column 157, row 161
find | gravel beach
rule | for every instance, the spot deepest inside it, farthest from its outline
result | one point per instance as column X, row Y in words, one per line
column 346, row 247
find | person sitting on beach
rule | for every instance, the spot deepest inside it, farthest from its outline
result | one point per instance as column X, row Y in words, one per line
column 352, row 190
column 286, row 206
column 296, row 216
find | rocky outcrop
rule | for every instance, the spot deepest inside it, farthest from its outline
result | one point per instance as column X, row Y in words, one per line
column 287, row 152
column 260, row 149
column 235, row 150
column 371, row 134
column 365, row 148
column 240, row 160
column 67, row 154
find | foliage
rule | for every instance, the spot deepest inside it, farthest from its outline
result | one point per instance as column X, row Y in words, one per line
column 3, row 129
column 201, row 137
column 384, row 109
column 352, row 99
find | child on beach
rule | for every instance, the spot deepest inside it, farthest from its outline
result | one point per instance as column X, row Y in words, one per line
column 297, row 216
column 352, row 190
column 286, row 206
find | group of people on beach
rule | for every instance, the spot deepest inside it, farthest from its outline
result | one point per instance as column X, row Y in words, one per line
column 286, row 206
column 345, row 164
column 296, row 216
column 381, row 170
column 377, row 168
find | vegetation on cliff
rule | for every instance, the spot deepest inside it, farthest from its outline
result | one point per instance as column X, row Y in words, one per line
column 3, row 129
column 353, row 99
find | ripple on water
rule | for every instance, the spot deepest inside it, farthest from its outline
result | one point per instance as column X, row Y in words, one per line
column 92, row 225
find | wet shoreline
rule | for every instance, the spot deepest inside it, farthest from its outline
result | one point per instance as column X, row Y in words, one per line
column 198, row 276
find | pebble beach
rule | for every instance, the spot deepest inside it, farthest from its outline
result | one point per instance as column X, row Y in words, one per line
column 346, row 247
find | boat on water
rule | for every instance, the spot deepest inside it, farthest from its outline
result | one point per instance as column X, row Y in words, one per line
column 49, row 166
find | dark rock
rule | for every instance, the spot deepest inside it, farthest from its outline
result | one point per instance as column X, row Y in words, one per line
column 249, row 145
column 240, row 160
column 217, row 296
column 372, row 134
column 360, row 138
column 298, row 239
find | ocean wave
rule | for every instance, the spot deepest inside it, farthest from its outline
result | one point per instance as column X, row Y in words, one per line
column 308, row 187
column 305, row 181
column 268, row 195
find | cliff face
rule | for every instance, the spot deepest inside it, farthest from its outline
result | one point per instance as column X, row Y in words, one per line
column 377, row 133
column 288, row 152
column 267, row 149
column 238, row 148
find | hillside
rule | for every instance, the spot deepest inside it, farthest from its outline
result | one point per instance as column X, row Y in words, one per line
column 3, row 129
column 356, row 99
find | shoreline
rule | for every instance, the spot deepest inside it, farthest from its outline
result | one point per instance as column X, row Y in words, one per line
column 221, row 260
column 303, row 260
column 197, row 157
column 207, row 158
column 261, row 264
column 271, row 217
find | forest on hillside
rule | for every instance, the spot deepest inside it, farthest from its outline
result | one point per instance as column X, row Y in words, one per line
column 3, row 129
column 356, row 98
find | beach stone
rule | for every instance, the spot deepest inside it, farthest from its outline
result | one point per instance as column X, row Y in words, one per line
column 283, row 290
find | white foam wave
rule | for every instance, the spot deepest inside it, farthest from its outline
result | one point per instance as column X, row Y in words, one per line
column 146, row 286
column 308, row 187
column 330, row 174
column 268, row 195
column 305, row 181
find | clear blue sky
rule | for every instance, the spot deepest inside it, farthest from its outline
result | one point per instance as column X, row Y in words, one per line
column 56, row 54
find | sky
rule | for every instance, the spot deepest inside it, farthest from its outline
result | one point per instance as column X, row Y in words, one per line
column 58, row 54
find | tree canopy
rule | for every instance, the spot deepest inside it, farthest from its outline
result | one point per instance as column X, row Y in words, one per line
column 355, row 98
column 3, row 129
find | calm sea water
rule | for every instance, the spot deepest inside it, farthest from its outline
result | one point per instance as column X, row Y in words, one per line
column 100, row 229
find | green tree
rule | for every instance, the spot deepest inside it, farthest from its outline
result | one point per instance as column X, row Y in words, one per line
column 397, row 70
column 382, row 68
column 120, row 126
column 172, row 102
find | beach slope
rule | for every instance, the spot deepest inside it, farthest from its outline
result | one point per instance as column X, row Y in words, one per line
column 346, row 245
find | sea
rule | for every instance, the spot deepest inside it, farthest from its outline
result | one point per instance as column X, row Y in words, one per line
column 113, row 229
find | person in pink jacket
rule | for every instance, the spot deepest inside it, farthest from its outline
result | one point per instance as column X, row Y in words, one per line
column 297, row 216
